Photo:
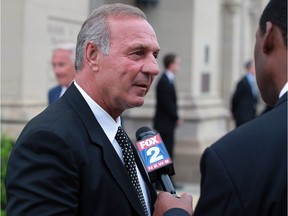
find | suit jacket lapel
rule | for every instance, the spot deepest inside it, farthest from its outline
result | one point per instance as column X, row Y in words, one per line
column 151, row 191
column 118, row 172
column 99, row 138
column 59, row 89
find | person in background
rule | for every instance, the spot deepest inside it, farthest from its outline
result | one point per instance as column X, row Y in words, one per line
column 245, row 98
column 63, row 66
column 166, row 115
column 74, row 158
column 245, row 172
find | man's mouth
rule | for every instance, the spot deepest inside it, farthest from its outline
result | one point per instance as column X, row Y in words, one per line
column 144, row 86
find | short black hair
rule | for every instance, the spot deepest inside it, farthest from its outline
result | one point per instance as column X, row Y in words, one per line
column 276, row 13
column 248, row 64
column 169, row 59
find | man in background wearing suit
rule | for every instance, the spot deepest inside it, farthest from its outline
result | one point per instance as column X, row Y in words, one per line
column 74, row 158
column 245, row 98
column 166, row 114
column 245, row 172
column 63, row 66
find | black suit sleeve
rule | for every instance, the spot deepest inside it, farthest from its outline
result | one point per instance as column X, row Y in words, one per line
column 42, row 177
column 176, row 212
column 164, row 94
column 236, row 98
column 218, row 195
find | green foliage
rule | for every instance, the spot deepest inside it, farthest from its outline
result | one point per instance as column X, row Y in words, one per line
column 6, row 147
column 3, row 213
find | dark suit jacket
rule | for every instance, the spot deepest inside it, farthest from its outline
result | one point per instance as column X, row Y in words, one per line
column 54, row 94
column 245, row 172
column 166, row 106
column 244, row 103
column 64, row 164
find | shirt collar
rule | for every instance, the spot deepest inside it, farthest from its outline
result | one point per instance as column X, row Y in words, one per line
column 170, row 75
column 284, row 90
column 63, row 89
column 107, row 123
column 250, row 77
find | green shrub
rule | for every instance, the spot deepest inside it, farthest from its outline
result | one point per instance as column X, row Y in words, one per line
column 6, row 147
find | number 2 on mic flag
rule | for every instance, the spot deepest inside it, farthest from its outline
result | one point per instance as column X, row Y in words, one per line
column 153, row 153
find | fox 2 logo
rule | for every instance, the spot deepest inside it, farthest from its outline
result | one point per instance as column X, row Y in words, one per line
column 153, row 152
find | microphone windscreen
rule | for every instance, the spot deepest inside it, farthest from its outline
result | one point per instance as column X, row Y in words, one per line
column 142, row 132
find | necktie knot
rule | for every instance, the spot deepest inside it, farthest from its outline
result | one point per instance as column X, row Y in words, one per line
column 122, row 138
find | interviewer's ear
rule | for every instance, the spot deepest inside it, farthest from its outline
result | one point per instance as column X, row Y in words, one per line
column 269, row 38
column 92, row 55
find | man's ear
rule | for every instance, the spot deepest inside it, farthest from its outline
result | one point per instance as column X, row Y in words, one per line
column 269, row 38
column 92, row 55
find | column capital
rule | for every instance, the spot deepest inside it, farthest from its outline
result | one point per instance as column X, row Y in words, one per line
column 233, row 6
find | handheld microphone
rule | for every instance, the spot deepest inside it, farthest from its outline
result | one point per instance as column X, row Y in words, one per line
column 155, row 158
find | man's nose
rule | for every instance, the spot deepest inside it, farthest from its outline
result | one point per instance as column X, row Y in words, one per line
column 57, row 69
column 151, row 66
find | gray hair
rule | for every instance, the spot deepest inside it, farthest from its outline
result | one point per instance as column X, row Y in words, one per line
column 68, row 47
column 96, row 28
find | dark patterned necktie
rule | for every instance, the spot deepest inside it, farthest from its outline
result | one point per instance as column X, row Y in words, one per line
column 129, row 162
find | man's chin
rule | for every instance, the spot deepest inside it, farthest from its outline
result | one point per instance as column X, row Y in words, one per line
column 136, row 103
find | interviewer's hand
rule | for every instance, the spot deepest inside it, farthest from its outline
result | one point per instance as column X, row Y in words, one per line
column 165, row 201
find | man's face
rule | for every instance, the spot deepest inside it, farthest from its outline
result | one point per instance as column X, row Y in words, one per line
column 126, row 74
column 175, row 66
column 63, row 67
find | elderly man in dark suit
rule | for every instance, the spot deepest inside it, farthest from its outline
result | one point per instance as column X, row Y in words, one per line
column 245, row 98
column 245, row 172
column 74, row 158
column 63, row 66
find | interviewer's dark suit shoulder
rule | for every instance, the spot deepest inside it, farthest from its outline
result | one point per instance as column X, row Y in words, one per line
column 245, row 172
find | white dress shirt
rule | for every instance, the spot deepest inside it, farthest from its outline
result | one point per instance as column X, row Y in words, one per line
column 110, row 127
column 63, row 89
column 170, row 76
column 284, row 90
column 252, row 83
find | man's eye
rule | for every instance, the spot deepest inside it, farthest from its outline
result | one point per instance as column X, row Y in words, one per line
column 155, row 55
column 139, row 53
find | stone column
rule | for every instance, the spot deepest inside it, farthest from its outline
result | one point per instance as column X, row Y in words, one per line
column 202, row 108
column 231, row 61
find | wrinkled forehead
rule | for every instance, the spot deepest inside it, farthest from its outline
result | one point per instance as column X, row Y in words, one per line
column 128, row 29
column 128, row 22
